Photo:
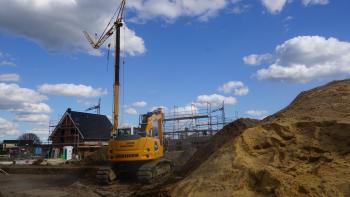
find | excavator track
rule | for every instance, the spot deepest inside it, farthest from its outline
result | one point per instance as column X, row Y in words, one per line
column 105, row 175
column 155, row 171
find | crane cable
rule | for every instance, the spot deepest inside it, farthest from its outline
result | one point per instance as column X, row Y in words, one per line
column 110, row 21
column 108, row 51
column 104, row 31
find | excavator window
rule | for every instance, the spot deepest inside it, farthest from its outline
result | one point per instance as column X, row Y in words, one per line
column 141, row 133
column 154, row 130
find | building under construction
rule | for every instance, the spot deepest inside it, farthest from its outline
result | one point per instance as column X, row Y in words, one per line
column 85, row 132
column 185, row 127
column 192, row 126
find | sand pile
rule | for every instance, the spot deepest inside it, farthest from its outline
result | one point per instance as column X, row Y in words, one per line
column 325, row 103
column 302, row 150
column 226, row 134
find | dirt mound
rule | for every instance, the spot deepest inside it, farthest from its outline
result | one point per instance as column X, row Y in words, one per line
column 303, row 150
column 180, row 158
column 226, row 134
column 325, row 103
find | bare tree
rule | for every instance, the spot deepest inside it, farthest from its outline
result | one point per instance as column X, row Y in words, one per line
column 30, row 136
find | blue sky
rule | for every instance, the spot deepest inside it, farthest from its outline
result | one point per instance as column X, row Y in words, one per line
column 265, row 51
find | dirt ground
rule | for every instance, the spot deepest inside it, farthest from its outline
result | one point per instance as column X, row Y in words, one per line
column 23, row 185
column 76, row 179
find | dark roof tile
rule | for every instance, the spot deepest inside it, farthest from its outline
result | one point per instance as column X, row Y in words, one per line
column 92, row 126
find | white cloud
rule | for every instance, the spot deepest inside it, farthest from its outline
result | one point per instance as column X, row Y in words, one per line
column 130, row 111
column 58, row 25
column 6, row 59
column 14, row 98
column 286, row 23
column 139, row 104
column 288, row 18
column 239, row 9
column 6, row 63
column 255, row 59
column 33, row 108
column 257, row 113
column 76, row 90
column 315, row 2
column 26, row 104
column 215, row 99
column 9, row 77
column 170, row 10
column 42, row 133
column 274, row 6
column 305, row 58
column 236, row 87
column 33, row 118
column 8, row 128
column 131, row 43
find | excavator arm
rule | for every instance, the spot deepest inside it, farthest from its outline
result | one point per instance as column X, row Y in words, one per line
column 153, row 121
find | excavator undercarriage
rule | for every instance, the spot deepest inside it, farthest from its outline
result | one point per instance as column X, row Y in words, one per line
column 150, row 172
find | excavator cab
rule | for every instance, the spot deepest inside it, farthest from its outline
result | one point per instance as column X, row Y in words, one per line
column 139, row 144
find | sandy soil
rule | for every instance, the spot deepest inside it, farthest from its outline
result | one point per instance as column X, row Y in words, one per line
column 228, row 133
column 59, row 185
column 302, row 150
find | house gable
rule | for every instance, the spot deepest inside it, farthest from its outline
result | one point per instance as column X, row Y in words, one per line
column 78, row 126
column 66, row 132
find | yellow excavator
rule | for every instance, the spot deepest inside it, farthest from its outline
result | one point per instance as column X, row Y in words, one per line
column 135, row 151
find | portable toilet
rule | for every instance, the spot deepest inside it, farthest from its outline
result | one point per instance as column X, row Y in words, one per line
column 67, row 152
column 38, row 151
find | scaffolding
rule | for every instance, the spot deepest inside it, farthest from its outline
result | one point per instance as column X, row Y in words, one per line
column 73, row 135
column 194, row 121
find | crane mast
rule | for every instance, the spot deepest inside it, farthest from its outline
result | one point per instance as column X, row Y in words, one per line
column 97, row 44
column 116, row 85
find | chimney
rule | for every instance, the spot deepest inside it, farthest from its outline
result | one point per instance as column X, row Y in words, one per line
column 69, row 110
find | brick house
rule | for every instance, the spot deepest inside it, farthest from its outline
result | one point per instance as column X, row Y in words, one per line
column 86, row 132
